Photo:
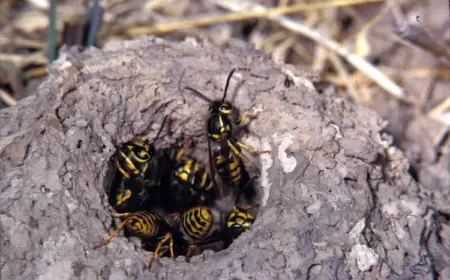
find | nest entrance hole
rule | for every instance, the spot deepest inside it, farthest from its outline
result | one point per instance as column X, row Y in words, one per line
column 141, row 179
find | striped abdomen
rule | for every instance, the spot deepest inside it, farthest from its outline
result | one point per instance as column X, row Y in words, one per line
column 197, row 222
column 190, row 172
column 205, row 183
column 240, row 219
column 144, row 224
column 141, row 224
column 229, row 168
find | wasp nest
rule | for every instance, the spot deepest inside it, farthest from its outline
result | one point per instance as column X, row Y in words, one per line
column 334, row 199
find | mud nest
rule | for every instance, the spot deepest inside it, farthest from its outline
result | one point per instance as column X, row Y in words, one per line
column 335, row 198
column 176, row 204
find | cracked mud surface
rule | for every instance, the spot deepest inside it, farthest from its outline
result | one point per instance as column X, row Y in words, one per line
column 337, row 199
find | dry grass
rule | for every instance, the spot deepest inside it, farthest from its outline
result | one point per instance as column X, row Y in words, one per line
column 310, row 34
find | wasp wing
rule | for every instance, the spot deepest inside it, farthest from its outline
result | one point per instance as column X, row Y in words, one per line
column 246, row 184
column 235, row 147
column 214, row 150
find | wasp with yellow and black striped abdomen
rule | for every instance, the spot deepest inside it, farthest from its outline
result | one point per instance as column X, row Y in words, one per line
column 225, row 150
column 231, row 171
column 137, row 181
column 199, row 225
column 146, row 225
column 190, row 184
column 239, row 220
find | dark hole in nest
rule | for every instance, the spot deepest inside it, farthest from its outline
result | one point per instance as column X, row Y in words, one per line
column 413, row 172
column 169, row 195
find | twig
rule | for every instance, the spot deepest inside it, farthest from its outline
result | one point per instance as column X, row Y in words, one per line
column 366, row 26
column 440, row 108
column 36, row 72
column 345, row 76
column 52, row 32
column 414, row 73
column 301, row 51
column 397, row 13
column 245, row 13
column 444, row 118
column 21, row 42
column 321, row 53
column 21, row 61
column 269, row 42
column 13, row 75
column 280, row 51
column 361, row 64
column 96, row 18
column 424, row 40
column 7, row 98
column 41, row 4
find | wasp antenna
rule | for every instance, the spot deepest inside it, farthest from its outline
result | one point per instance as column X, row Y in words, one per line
column 226, row 85
column 161, row 128
column 199, row 94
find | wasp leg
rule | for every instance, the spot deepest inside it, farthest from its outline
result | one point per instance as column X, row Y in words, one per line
column 167, row 237
column 122, row 197
column 114, row 233
column 112, row 210
column 189, row 251
column 187, row 143
column 242, row 156
column 121, row 170
column 173, row 216
column 251, row 150
column 245, row 116
column 115, row 214
column 250, row 207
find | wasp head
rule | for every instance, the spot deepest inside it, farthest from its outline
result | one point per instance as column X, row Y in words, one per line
column 142, row 149
column 222, row 108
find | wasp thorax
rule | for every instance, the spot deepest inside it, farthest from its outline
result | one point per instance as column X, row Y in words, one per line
column 186, row 172
column 219, row 127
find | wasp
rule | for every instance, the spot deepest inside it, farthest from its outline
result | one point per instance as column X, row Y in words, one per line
column 147, row 226
column 191, row 183
column 197, row 226
column 133, row 158
column 231, row 171
column 133, row 195
column 225, row 154
column 132, row 185
column 239, row 220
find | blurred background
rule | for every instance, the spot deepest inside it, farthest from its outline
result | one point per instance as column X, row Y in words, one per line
column 389, row 55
